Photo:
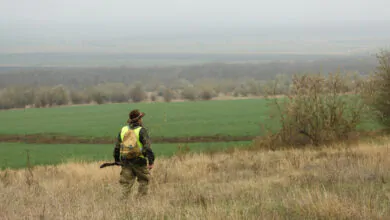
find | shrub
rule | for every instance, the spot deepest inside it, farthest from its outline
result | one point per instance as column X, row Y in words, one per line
column 153, row 97
column 206, row 94
column 137, row 93
column 98, row 97
column 377, row 89
column 168, row 95
column 317, row 111
column 189, row 93
column 78, row 97
column 58, row 95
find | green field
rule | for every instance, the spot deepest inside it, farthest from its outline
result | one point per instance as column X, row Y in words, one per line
column 179, row 119
column 233, row 117
column 14, row 155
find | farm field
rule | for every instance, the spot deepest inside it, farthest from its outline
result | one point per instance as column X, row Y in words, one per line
column 14, row 155
column 179, row 119
column 87, row 133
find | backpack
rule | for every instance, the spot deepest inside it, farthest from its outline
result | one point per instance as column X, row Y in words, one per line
column 129, row 148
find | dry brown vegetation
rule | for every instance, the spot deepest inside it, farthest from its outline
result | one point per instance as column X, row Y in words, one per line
column 377, row 89
column 317, row 110
column 337, row 182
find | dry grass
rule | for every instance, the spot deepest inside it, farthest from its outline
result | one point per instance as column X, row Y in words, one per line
column 333, row 183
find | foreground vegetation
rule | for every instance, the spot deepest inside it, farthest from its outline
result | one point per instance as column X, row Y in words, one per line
column 19, row 155
column 337, row 182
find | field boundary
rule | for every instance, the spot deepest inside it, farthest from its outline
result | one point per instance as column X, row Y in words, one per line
column 64, row 139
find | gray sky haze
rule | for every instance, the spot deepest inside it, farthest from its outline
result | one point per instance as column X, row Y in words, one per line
column 200, row 12
column 184, row 25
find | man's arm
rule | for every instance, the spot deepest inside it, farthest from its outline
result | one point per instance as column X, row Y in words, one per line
column 116, row 153
column 146, row 150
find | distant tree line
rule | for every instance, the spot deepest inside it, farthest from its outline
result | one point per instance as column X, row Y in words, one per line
column 173, row 76
column 115, row 92
column 45, row 87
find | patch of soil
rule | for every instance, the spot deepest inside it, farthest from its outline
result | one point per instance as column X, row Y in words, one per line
column 63, row 139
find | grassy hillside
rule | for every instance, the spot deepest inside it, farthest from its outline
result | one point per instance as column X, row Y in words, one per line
column 233, row 117
column 14, row 155
column 332, row 183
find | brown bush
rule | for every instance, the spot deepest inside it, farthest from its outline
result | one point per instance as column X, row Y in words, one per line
column 78, row 97
column 58, row 95
column 137, row 93
column 206, row 94
column 160, row 90
column 168, row 95
column 377, row 89
column 97, row 96
column 189, row 93
column 153, row 97
column 51, row 96
column 318, row 111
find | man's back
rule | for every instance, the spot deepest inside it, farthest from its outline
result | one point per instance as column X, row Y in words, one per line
column 142, row 138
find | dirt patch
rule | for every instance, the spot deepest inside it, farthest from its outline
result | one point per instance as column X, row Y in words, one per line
column 63, row 139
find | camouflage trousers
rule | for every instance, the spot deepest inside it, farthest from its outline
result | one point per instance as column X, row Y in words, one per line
column 129, row 174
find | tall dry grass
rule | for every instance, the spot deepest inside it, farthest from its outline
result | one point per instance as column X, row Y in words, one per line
column 327, row 183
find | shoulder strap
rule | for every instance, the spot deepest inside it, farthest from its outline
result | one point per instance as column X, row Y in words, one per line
column 123, row 131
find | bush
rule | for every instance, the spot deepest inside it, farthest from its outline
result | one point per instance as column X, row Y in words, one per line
column 78, row 97
column 377, row 89
column 206, row 94
column 189, row 93
column 168, row 95
column 153, row 97
column 160, row 90
column 58, row 95
column 98, row 97
column 51, row 96
column 317, row 111
column 137, row 93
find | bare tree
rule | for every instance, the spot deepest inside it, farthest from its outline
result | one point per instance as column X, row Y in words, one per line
column 206, row 94
column 168, row 95
column 189, row 93
column 137, row 93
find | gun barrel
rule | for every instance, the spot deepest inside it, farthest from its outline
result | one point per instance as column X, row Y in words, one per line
column 109, row 164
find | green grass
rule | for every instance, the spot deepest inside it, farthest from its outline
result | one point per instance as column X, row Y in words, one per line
column 14, row 155
column 233, row 117
column 201, row 118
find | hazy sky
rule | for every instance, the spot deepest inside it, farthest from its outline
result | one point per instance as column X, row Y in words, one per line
column 181, row 12
column 173, row 25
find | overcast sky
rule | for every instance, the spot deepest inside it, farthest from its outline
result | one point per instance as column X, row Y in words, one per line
column 202, row 12
column 53, row 25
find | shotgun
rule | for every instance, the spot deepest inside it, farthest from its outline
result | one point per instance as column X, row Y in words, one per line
column 110, row 164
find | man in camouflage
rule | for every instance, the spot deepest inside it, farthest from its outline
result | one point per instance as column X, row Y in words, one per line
column 138, row 167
